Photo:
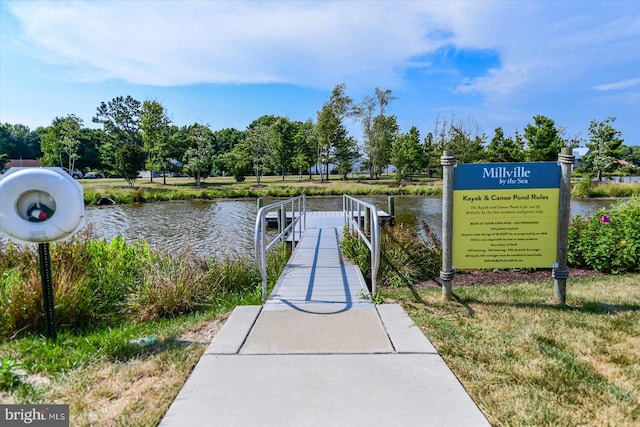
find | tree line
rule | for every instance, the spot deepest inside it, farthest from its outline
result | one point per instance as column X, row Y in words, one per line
column 137, row 136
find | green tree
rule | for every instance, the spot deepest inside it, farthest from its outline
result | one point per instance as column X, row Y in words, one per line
column 198, row 157
column 229, row 159
column 226, row 139
column 237, row 162
column 345, row 152
column 19, row 142
column 544, row 140
column 501, row 149
column 282, row 144
column 433, row 151
column 60, row 145
column 257, row 145
column 154, row 127
column 630, row 153
column 461, row 137
column 408, row 156
column 329, row 127
column 129, row 162
column 604, row 143
column 379, row 131
column 120, row 119
column 305, row 147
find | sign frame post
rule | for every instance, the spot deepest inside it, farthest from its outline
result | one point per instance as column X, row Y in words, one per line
column 560, row 272
column 448, row 162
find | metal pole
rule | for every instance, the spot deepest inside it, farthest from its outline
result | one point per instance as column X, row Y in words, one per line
column 561, row 271
column 392, row 209
column 47, row 289
column 448, row 161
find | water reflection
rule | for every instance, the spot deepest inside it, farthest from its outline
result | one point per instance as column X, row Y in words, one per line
column 224, row 228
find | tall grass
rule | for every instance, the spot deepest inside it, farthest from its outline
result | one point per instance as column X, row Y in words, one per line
column 586, row 188
column 101, row 284
column 406, row 258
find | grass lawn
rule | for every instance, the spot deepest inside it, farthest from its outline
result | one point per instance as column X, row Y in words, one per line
column 273, row 186
column 526, row 361
column 126, row 375
column 523, row 359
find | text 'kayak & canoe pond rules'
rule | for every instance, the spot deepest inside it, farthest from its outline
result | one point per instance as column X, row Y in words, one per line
column 505, row 215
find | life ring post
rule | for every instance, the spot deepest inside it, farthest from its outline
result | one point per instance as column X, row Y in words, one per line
column 41, row 205
column 47, row 289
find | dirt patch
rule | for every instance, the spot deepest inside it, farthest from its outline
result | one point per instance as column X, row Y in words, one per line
column 481, row 277
column 204, row 332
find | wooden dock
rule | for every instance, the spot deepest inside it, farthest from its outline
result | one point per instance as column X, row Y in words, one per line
column 316, row 271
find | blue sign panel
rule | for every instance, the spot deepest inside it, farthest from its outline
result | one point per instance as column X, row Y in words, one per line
column 505, row 176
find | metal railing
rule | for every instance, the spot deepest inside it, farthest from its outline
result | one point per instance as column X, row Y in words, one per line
column 363, row 219
column 298, row 210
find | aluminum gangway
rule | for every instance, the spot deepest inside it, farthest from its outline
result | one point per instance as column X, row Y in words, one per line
column 316, row 271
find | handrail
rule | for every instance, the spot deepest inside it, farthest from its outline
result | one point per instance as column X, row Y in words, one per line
column 368, row 215
column 298, row 210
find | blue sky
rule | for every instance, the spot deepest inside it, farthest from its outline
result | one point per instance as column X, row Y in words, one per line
column 226, row 63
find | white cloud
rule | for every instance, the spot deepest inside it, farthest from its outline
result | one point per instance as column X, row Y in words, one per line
column 174, row 43
column 624, row 84
column 541, row 45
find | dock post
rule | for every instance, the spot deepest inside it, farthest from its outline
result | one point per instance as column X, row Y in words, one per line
column 448, row 161
column 260, row 202
column 391, row 202
column 367, row 214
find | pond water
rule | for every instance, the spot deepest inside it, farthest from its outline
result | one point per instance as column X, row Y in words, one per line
column 225, row 227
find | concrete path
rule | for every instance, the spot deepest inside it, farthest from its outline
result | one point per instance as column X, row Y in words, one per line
column 282, row 366
column 319, row 353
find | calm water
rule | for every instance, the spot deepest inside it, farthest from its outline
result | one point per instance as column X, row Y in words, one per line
column 225, row 227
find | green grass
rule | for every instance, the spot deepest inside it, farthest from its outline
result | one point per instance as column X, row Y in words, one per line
column 527, row 361
column 271, row 186
column 125, row 375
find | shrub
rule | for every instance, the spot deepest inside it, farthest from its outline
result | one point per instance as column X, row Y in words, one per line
column 609, row 241
column 406, row 258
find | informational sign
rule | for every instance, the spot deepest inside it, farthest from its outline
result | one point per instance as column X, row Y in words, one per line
column 505, row 215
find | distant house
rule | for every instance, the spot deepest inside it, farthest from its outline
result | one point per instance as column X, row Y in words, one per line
column 579, row 153
column 22, row 163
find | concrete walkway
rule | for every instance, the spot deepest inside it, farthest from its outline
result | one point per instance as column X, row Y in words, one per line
column 314, row 365
column 319, row 353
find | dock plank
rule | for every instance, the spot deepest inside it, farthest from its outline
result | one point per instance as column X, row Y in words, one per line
column 316, row 271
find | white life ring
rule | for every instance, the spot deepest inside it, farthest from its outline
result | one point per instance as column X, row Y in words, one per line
column 40, row 205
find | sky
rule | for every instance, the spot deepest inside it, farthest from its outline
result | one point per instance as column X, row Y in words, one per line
column 483, row 64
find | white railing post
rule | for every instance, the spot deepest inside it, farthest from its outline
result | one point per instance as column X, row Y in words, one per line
column 363, row 226
column 260, row 235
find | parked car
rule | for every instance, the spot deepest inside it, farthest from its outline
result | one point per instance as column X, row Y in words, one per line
column 93, row 175
column 76, row 174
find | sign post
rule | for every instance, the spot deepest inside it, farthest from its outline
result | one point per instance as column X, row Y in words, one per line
column 561, row 270
column 448, row 162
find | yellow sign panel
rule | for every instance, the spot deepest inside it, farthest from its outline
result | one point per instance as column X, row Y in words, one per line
column 495, row 228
